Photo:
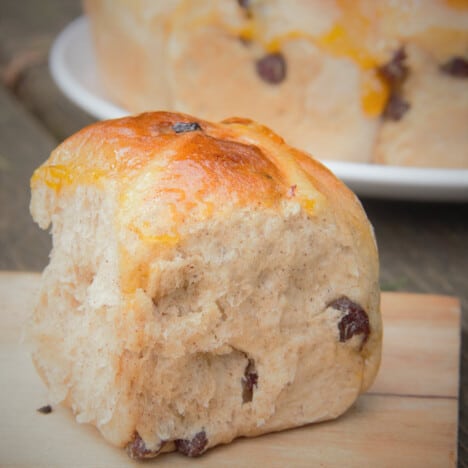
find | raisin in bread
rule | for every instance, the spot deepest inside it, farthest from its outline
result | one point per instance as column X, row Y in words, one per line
column 207, row 281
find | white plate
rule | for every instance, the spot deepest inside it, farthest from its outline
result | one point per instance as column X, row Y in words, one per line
column 73, row 67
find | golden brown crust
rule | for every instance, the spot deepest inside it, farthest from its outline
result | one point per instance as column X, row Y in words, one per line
column 237, row 161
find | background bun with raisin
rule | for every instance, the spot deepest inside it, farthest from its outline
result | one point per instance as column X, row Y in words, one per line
column 309, row 69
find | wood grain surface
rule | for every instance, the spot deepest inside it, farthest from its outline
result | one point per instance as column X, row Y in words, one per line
column 408, row 418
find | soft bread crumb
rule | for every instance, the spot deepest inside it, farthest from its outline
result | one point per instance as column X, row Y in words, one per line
column 154, row 341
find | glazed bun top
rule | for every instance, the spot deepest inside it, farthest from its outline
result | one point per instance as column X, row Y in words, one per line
column 196, row 166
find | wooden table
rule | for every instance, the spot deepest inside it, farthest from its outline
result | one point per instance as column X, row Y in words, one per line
column 423, row 246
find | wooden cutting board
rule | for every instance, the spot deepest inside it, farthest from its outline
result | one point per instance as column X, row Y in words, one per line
column 408, row 418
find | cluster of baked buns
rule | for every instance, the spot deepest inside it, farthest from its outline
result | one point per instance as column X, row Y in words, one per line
column 207, row 280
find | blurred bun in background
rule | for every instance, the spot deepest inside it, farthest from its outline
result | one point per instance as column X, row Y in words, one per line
column 368, row 81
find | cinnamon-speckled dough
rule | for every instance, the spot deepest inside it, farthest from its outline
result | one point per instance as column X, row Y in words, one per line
column 207, row 281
